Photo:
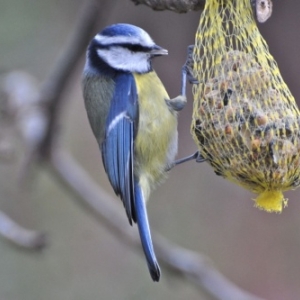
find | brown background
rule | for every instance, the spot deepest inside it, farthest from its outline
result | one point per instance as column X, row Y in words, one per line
column 194, row 208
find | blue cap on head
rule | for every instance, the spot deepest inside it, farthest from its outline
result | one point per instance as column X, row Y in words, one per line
column 121, row 29
column 124, row 34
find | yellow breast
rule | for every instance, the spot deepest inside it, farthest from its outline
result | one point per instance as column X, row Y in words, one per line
column 156, row 142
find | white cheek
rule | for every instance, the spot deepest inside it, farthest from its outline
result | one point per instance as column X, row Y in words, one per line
column 123, row 59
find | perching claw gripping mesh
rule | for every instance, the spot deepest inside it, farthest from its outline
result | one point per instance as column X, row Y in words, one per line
column 245, row 119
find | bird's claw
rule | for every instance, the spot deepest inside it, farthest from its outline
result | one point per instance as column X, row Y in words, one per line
column 177, row 103
column 187, row 70
column 189, row 65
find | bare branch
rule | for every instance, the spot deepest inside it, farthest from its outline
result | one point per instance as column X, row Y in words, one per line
column 20, row 236
column 179, row 261
column 199, row 270
column 50, row 96
column 53, row 87
column 179, row 6
column 184, row 6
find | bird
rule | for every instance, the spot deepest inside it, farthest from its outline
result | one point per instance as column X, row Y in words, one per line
column 133, row 120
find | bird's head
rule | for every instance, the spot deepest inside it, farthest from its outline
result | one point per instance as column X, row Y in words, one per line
column 123, row 47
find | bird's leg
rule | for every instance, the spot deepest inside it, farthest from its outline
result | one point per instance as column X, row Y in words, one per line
column 196, row 156
column 179, row 102
column 187, row 74
column 187, row 70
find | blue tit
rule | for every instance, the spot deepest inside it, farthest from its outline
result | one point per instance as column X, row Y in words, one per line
column 132, row 118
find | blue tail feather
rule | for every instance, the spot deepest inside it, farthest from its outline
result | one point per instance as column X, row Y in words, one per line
column 145, row 235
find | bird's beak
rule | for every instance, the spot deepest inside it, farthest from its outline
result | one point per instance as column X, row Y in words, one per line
column 158, row 51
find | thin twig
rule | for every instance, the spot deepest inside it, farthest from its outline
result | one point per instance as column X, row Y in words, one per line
column 195, row 267
column 20, row 236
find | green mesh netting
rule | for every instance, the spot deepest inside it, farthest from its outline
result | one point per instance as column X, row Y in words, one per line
column 245, row 119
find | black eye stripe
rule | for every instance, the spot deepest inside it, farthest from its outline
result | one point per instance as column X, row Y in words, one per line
column 136, row 48
column 131, row 47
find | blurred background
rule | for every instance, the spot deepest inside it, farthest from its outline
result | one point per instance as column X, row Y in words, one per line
column 194, row 208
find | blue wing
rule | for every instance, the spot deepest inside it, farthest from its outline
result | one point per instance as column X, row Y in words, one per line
column 118, row 159
column 118, row 145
